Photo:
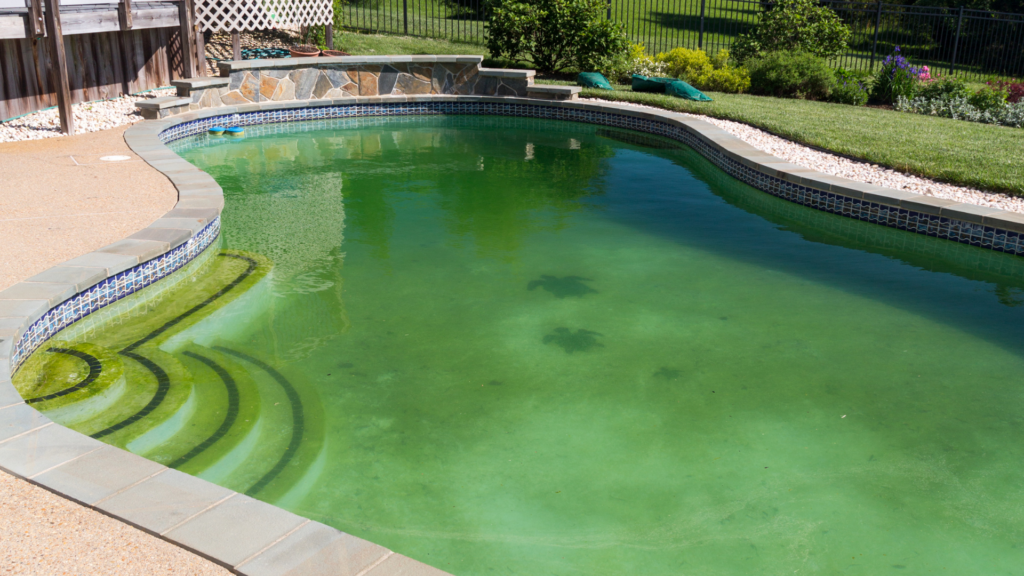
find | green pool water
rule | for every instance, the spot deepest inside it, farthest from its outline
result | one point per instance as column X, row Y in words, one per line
column 535, row 347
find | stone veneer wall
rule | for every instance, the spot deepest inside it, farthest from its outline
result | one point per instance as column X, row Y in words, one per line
column 281, row 80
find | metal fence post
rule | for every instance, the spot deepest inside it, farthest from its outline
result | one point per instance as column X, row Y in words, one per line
column 874, row 45
column 956, row 42
column 405, row 16
column 609, row 9
column 700, row 38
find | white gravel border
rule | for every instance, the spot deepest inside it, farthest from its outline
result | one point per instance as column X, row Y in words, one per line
column 89, row 117
column 852, row 169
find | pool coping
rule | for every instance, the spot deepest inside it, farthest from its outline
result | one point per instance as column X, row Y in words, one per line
column 255, row 538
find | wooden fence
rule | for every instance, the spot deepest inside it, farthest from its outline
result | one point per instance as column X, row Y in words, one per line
column 100, row 66
column 104, row 59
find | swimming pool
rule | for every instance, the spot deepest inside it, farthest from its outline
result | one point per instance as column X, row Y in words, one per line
column 528, row 346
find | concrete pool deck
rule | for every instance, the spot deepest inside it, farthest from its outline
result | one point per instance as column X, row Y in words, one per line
column 59, row 201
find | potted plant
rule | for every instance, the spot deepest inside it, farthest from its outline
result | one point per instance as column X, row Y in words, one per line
column 303, row 51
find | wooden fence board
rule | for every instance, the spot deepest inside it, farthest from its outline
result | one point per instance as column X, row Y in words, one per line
column 101, row 66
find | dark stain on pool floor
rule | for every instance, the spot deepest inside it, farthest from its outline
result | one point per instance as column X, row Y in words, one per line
column 579, row 341
column 563, row 287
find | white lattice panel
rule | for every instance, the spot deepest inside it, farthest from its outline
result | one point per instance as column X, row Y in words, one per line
column 245, row 15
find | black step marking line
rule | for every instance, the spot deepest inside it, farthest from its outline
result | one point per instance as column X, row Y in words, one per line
column 163, row 385
column 229, row 418
column 298, row 418
column 170, row 324
column 163, row 381
column 95, row 369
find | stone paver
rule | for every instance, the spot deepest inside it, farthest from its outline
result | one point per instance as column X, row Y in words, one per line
column 164, row 501
column 254, row 526
column 40, row 450
column 315, row 550
column 19, row 419
column 98, row 475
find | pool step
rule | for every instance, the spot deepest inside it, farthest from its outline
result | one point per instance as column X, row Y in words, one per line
column 215, row 412
column 74, row 382
column 157, row 393
column 228, row 405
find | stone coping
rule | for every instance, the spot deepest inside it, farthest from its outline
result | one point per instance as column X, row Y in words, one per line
column 252, row 537
column 226, row 67
column 162, row 103
column 202, row 82
column 554, row 89
column 507, row 73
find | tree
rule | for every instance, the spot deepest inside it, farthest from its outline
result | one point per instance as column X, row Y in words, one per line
column 554, row 35
column 794, row 26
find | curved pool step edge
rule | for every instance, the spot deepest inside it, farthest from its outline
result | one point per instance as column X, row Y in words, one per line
column 243, row 534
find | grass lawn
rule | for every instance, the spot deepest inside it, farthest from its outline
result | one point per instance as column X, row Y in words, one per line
column 370, row 44
column 966, row 153
column 978, row 155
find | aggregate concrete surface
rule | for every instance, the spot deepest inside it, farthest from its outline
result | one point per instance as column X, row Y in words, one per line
column 58, row 200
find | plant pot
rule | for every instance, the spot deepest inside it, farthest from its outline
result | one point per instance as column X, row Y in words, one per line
column 334, row 53
column 303, row 51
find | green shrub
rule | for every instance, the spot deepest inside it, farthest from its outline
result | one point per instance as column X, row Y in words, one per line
column 988, row 99
column 849, row 90
column 721, row 60
column 727, row 79
column 897, row 78
column 685, row 63
column 554, row 35
column 851, row 87
column 795, row 26
column 791, row 75
column 943, row 88
column 958, row 107
column 704, row 73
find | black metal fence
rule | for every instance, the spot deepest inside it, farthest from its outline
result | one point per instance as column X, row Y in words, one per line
column 970, row 43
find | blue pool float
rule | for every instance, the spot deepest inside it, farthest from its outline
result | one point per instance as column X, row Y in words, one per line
column 217, row 130
column 235, row 131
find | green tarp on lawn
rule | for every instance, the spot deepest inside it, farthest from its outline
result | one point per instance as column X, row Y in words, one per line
column 681, row 89
column 670, row 86
column 650, row 83
column 593, row 80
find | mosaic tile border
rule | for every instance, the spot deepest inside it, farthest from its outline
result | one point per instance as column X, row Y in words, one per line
column 111, row 290
column 879, row 213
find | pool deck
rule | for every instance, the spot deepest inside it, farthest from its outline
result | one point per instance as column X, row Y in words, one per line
column 59, row 201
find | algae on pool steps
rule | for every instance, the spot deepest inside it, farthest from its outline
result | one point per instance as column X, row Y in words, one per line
column 210, row 411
